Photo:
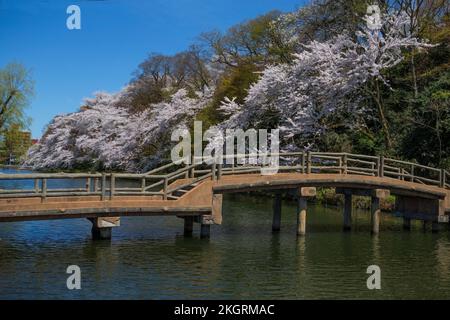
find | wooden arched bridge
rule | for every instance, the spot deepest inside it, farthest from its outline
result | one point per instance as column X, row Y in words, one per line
column 194, row 192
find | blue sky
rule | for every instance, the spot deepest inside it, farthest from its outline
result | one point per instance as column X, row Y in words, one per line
column 115, row 36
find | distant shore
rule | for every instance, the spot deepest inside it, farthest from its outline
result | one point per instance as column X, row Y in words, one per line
column 16, row 167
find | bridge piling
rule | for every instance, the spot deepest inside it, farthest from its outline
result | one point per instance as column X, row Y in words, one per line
column 425, row 224
column 102, row 227
column 302, row 203
column 347, row 211
column 276, row 222
column 435, row 227
column 188, row 226
column 205, row 231
column 375, row 215
column 406, row 224
column 348, row 197
column 101, row 233
column 301, row 216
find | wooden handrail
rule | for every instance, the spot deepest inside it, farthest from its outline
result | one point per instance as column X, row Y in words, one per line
column 304, row 162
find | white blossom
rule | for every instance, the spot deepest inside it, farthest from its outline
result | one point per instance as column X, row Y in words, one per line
column 324, row 80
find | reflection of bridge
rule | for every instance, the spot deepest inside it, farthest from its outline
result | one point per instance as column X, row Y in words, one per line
column 194, row 192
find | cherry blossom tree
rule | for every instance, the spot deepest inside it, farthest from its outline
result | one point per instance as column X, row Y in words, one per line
column 323, row 83
column 104, row 135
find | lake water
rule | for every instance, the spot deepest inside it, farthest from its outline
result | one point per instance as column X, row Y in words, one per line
column 148, row 258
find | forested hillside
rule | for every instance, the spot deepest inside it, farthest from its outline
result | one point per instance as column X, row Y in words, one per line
column 319, row 74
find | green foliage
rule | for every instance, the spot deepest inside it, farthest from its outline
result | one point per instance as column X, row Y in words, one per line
column 234, row 83
column 14, row 144
column 16, row 89
column 428, row 140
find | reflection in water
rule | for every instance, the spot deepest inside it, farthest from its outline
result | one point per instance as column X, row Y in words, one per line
column 148, row 258
column 376, row 248
column 443, row 258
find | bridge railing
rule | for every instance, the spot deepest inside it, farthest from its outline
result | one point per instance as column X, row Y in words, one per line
column 166, row 181
column 45, row 185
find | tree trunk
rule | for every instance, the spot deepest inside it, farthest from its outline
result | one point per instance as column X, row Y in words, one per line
column 382, row 116
column 414, row 75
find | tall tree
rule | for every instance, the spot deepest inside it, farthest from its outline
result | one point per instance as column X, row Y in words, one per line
column 16, row 89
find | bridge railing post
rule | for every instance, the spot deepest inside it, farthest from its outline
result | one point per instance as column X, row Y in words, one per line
column 192, row 171
column 44, row 189
column 380, row 166
column 143, row 184
column 166, row 184
column 442, row 178
column 219, row 171
column 103, row 196
column 112, row 185
column 88, row 185
column 188, row 163
column 308, row 162
column 213, row 170
column 95, row 185
column 36, row 185
column 344, row 164
column 303, row 162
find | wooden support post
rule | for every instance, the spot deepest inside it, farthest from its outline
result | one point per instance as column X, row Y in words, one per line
column 375, row 215
column 187, row 173
column 188, row 226
column 143, row 185
column 205, row 231
column 217, row 201
column 219, row 171
column 303, row 162
column 344, row 164
column 435, row 226
column 192, row 171
column 213, row 171
column 381, row 166
column 103, row 197
column 88, row 185
column 101, row 233
column 377, row 194
column 406, row 223
column 308, row 162
column 95, row 184
column 301, row 216
column 44, row 190
column 36, row 185
column 347, row 211
column 303, row 194
column 102, row 227
column 166, row 184
column 112, row 185
column 276, row 222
